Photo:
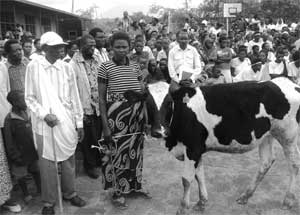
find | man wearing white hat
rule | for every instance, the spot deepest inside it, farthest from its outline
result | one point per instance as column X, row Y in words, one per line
column 51, row 95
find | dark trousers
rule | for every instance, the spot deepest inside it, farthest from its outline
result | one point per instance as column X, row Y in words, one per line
column 92, row 126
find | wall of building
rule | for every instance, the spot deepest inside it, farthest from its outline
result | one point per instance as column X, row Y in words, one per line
column 55, row 21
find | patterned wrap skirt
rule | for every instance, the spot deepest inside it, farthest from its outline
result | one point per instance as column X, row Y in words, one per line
column 123, row 171
column 5, row 180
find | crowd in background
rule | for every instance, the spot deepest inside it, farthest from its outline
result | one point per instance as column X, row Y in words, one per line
column 207, row 53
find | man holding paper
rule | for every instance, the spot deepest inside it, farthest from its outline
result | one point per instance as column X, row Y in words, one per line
column 51, row 95
column 184, row 61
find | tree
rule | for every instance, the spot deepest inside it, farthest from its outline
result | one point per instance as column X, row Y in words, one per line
column 137, row 16
column 281, row 9
column 209, row 8
column 89, row 13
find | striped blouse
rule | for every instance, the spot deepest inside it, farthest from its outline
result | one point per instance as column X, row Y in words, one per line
column 120, row 78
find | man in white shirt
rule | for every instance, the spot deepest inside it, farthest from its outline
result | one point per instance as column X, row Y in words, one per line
column 255, row 73
column 37, row 50
column 100, row 38
column 2, row 58
column 278, row 67
column 184, row 61
column 257, row 40
column 294, row 68
column 52, row 97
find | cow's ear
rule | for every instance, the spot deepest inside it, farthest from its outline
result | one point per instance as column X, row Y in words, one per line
column 179, row 94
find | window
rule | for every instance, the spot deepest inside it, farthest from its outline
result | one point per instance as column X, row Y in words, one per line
column 7, row 22
column 46, row 24
column 72, row 35
column 30, row 24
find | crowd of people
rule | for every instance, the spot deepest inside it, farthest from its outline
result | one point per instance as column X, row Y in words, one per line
column 56, row 94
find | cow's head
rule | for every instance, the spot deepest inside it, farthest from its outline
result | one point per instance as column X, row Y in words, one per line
column 167, row 98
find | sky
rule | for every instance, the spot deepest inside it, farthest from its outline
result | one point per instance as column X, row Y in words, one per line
column 112, row 8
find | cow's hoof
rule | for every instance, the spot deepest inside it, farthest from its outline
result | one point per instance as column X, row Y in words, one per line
column 243, row 199
column 200, row 206
column 289, row 201
column 182, row 211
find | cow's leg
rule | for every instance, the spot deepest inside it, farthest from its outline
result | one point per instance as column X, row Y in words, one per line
column 266, row 161
column 187, row 178
column 292, row 154
column 200, row 177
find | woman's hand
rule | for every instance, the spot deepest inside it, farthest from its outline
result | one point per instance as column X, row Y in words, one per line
column 107, row 134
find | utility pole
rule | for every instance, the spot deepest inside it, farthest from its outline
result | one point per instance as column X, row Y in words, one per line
column 186, row 5
column 72, row 6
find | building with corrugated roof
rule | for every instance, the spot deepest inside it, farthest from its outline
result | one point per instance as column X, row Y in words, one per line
column 38, row 19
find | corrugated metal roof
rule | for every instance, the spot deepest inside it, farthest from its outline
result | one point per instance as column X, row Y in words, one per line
column 45, row 7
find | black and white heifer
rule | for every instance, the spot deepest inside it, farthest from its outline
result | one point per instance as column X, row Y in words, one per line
column 232, row 118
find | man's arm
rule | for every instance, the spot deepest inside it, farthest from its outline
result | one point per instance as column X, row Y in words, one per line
column 31, row 93
column 171, row 67
column 76, row 103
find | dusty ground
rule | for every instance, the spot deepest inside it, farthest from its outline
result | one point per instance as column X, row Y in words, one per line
column 226, row 176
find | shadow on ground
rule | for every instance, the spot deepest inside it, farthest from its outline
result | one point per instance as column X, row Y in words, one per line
column 226, row 177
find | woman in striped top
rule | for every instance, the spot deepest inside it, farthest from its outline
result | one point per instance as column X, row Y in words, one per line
column 123, row 171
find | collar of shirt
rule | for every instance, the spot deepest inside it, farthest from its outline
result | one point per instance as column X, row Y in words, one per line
column 188, row 47
column 16, row 116
column 67, row 57
column 79, row 58
column 126, row 64
column 24, row 62
column 99, row 51
column 46, row 64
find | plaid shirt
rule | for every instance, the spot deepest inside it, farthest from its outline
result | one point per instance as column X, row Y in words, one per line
column 17, row 74
column 86, row 74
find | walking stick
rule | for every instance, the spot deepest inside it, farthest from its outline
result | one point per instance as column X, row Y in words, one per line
column 56, row 170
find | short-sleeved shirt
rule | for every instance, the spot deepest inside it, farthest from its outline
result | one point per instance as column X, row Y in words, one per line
column 120, row 78
column 221, row 53
column 239, row 65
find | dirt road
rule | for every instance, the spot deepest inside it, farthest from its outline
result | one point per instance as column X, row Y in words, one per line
column 226, row 177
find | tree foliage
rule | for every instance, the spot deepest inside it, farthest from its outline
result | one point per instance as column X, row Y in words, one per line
column 208, row 8
column 88, row 13
column 281, row 9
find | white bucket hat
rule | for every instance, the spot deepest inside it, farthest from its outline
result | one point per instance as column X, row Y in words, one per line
column 51, row 38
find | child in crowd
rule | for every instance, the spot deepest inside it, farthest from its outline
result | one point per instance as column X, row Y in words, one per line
column 278, row 67
column 20, row 149
column 256, row 73
column 215, row 76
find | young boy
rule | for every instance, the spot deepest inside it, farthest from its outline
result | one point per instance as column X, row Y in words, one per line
column 215, row 76
column 20, row 149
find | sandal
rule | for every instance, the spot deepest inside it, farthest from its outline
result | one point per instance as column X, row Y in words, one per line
column 142, row 193
column 119, row 202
